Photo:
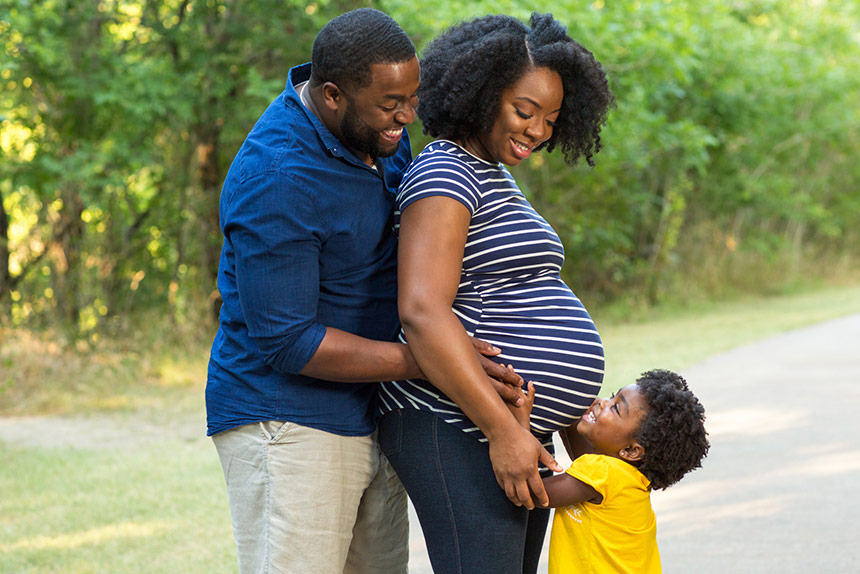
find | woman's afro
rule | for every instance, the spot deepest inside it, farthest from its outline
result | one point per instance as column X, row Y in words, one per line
column 465, row 70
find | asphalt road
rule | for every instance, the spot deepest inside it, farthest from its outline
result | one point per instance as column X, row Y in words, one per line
column 780, row 489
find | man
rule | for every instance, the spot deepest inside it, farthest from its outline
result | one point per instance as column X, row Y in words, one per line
column 308, row 279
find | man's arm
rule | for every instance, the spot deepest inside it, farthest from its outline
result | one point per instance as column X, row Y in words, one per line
column 348, row 358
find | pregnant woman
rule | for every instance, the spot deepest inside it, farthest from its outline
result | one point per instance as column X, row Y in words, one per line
column 475, row 259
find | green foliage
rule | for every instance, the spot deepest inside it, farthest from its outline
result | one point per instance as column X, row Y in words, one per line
column 122, row 119
column 729, row 162
column 739, row 119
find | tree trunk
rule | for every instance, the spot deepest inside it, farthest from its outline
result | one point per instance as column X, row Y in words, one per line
column 5, row 275
column 209, row 177
column 68, row 276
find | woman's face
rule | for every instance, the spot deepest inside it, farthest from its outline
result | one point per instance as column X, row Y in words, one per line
column 526, row 117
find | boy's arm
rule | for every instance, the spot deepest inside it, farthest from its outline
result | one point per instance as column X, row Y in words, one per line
column 574, row 443
column 564, row 490
column 523, row 412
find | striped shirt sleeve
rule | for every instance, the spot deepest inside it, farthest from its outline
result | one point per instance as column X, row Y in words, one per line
column 440, row 175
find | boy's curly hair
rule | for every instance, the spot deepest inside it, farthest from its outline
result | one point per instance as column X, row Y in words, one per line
column 672, row 432
column 465, row 70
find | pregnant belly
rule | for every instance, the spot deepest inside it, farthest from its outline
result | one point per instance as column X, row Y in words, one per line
column 560, row 352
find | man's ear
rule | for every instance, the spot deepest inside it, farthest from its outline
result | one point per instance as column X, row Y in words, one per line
column 333, row 98
column 632, row 453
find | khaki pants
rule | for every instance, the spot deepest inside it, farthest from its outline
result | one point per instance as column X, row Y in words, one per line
column 304, row 501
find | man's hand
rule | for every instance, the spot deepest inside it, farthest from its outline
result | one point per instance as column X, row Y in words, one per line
column 507, row 383
column 515, row 457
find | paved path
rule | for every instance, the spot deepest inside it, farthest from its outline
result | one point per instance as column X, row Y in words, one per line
column 780, row 490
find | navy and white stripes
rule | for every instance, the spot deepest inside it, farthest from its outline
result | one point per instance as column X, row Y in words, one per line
column 510, row 293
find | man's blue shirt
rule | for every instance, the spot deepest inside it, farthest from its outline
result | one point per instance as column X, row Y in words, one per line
column 308, row 243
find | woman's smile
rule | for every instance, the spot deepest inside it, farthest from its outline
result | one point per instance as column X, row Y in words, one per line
column 527, row 114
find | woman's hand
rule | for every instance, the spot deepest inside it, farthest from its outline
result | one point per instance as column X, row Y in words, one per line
column 515, row 457
column 510, row 476
column 507, row 383
column 517, row 471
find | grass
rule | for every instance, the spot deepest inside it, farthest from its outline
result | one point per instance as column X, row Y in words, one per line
column 158, row 509
column 141, row 490
column 152, row 372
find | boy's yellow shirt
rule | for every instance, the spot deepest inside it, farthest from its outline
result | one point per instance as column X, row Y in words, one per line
column 617, row 535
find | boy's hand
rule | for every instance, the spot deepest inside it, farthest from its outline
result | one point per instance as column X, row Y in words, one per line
column 523, row 412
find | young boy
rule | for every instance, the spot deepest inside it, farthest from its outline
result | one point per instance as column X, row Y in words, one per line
column 647, row 435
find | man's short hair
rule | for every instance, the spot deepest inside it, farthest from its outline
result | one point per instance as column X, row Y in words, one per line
column 349, row 45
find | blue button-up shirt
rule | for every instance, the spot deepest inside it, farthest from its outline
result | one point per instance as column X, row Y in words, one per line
column 308, row 243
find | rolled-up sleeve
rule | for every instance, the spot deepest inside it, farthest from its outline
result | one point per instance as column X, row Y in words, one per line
column 276, row 233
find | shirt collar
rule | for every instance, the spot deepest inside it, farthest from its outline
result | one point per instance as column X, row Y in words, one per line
column 301, row 74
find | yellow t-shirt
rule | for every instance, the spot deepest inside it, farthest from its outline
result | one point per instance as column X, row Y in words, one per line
column 617, row 535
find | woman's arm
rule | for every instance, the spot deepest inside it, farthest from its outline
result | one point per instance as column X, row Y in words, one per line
column 433, row 235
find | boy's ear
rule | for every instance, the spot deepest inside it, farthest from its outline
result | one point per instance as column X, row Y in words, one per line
column 632, row 452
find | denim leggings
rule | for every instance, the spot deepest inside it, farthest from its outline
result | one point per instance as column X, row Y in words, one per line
column 469, row 525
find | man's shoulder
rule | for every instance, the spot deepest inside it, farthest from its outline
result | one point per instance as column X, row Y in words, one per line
column 281, row 139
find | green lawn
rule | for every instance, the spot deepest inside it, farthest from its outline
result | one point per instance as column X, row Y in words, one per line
column 140, row 489
column 155, row 509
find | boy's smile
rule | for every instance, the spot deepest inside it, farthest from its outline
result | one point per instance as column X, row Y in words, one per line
column 610, row 425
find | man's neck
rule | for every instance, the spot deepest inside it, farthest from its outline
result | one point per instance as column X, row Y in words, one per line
column 305, row 96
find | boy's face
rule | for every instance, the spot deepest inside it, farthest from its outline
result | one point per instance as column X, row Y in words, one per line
column 610, row 424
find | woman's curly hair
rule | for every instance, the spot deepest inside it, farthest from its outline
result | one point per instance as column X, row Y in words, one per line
column 672, row 432
column 465, row 70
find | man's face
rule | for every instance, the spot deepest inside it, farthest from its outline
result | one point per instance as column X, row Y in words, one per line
column 373, row 117
column 360, row 136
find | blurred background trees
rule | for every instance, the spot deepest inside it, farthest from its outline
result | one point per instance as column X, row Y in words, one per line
column 730, row 164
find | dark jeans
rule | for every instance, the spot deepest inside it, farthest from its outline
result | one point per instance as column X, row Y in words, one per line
column 469, row 524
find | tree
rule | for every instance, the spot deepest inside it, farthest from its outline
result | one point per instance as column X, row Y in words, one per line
column 729, row 162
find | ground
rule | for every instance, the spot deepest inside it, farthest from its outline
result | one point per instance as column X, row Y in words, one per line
column 776, row 493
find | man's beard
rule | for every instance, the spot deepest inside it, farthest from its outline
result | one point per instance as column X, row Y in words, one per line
column 359, row 136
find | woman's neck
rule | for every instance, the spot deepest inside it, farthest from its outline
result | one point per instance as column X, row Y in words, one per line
column 474, row 146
